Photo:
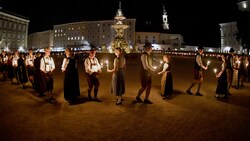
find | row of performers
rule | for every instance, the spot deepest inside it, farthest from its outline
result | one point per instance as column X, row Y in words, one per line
column 40, row 70
column 34, row 68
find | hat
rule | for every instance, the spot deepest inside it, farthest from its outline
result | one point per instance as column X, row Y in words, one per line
column 92, row 47
column 200, row 47
column 148, row 44
column 231, row 50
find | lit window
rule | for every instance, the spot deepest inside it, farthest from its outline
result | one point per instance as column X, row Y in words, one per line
column 68, row 38
column 245, row 5
column 55, row 31
column 72, row 38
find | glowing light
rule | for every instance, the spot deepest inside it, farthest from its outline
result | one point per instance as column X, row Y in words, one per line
column 244, row 5
column 208, row 62
column 215, row 70
column 107, row 62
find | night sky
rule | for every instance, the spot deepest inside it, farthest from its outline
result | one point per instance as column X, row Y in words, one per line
column 197, row 21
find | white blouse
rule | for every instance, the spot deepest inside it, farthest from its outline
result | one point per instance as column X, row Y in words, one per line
column 65, row 64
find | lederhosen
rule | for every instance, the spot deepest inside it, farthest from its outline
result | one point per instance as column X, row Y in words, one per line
column 92, row 78
column 197, row 69
column 48, row 76
column 30, row 68
column 146, row 77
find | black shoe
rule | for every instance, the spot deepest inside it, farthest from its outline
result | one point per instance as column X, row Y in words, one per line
column 121, row 99
column 41, row 95
column 52, row 98
column 118, row 103
column 146, row 101
column 97, row 100
column 138, row 99
column 189, row 92
column 90, row 98
column 225, row 97
column 198, row 94
column 166, row 97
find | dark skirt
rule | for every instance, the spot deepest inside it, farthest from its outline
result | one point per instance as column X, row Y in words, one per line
column 10, row 71
column 22, row 75
column 118, row 83
column 71, row 81
column 222, row 84
column 39, row 81
column 71, row 84
column 168, row 88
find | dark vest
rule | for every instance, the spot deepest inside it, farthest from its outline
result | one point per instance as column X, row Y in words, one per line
column 196, row 66
column 149, row 59
column 228, row 63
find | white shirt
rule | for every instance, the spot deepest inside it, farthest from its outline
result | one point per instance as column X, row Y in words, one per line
column 29, row 60
column 14, row 60
column 4, row 59
column 92, row 65
column 47, row 64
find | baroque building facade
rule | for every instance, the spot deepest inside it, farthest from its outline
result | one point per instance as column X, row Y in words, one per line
column 40, row 40
column 13, row 31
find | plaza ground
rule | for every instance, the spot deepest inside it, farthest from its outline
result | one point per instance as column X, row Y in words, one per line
column 27, row 117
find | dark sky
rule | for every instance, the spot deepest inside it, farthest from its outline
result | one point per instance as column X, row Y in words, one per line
column 197, row 21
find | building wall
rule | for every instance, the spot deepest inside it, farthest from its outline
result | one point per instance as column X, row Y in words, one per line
column 78, row 35
column 228, row 36
column 165, row 41
column 13, row 31
column 40, row 40
column 99, row 33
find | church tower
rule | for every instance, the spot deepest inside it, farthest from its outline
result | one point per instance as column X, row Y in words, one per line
column 165, row 19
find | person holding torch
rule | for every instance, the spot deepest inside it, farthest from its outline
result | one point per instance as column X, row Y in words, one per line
column 93, row 69
column 221, row 90
column 145, row 74
column 118, row 78
column 198, row 76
